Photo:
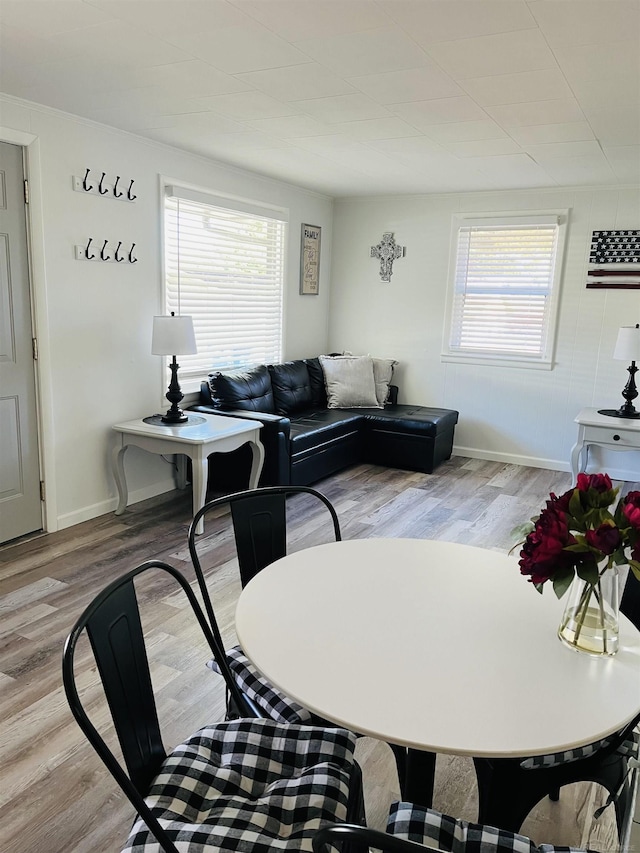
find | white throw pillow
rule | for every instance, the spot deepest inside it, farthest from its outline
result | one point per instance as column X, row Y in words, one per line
column 382, row 375
column 350, row 382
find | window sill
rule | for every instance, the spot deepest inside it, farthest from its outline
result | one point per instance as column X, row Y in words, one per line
column 496, row 361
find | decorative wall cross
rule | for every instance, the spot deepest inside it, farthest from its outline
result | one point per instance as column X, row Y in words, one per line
column 387, row 250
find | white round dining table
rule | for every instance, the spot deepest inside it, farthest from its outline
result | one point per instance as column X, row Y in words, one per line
column 434, row 646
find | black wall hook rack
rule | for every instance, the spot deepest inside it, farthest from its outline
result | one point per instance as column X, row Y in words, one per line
column 118, row 256
column 103, row 186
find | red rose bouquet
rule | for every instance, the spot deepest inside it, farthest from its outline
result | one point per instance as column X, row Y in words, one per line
column 577, row 532
column 581, row 533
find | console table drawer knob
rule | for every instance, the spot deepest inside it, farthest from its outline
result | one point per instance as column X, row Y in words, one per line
column 616, row 437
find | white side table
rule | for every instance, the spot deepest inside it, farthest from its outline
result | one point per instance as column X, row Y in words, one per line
column 201, row 436
column 603, row 431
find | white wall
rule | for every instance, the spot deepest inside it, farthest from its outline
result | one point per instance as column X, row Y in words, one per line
column 506, row 414
column 94, row 319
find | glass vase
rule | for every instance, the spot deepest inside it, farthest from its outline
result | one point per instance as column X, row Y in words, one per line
column 590, row 619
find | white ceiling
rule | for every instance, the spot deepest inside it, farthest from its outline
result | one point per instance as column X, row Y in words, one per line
column 350, row 97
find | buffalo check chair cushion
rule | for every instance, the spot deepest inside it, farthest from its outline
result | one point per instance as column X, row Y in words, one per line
column 425, row 826
column 249, row 785
column 276, row 705
column 628, row 748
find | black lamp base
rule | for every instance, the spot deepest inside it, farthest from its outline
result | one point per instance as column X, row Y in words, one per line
column 174, row 395
column 177, row 417
column 619, row 413
column 629, row 393
column 158, row 420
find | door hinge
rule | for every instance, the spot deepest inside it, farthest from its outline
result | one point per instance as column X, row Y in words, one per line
column 42, row 490
column 34, row 347
column 26, row 192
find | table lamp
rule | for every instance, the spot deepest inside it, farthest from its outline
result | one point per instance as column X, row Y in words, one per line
column 173, row 336
column 627, row 349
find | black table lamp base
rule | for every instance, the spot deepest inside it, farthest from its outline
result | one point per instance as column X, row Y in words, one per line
column 175, row 416
column 174, row 395
column 629, row 392
column 619, row 413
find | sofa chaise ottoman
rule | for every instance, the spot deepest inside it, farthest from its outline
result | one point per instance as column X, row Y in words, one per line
column 307, row 437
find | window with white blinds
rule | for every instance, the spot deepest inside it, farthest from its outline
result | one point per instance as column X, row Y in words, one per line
column 503, row 294
column 224, row 266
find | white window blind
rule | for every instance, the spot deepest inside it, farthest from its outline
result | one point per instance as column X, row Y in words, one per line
column 504, row 280
column 225, row 268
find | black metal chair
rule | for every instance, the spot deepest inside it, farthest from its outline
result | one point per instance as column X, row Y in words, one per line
column 509, row 788
column 259, row 519
column 250, row 783
column 413, row 828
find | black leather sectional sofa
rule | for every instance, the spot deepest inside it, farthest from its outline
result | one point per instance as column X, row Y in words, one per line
column 305, row 441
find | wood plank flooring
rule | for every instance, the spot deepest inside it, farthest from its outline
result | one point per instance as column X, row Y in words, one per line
column 55, row 796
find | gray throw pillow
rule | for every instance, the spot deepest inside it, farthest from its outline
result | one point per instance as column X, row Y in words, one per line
column 382, row 375
column 349, row 382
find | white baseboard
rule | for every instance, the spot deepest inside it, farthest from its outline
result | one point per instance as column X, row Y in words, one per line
column 615, row 472
column 88, row 512
column 511, row 458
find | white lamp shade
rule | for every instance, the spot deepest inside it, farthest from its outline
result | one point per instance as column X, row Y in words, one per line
column 173, row 336
column 628, row 344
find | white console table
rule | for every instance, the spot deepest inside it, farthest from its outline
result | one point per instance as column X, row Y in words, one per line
column 603, row 431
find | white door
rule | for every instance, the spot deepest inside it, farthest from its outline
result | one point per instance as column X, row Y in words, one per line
column 20, row 504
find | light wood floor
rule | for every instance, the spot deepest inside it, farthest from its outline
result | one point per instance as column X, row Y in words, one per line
column 55, row 796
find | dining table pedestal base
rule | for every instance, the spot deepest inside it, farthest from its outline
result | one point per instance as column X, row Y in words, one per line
column 419, row 777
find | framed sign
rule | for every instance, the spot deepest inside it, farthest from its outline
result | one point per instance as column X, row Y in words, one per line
column 310, row 259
